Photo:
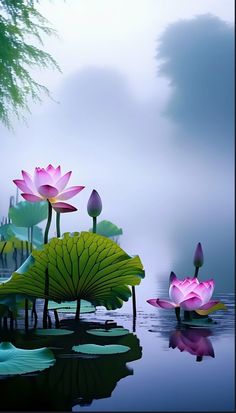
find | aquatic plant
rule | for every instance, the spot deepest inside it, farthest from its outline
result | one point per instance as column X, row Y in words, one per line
column 94, row 207
column 190, row 294
column 20, row 361
column 80, row 266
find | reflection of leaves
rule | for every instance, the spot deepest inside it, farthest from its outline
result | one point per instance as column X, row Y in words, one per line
column 19, row 361
column 72, row 380
column 86, row 266
column 28, row 214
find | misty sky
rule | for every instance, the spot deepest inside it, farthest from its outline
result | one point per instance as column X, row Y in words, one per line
column 143, row 113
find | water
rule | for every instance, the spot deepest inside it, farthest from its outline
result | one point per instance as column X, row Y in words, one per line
column 150, row 377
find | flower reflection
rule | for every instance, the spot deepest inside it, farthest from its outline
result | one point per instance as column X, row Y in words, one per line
column 193, row 340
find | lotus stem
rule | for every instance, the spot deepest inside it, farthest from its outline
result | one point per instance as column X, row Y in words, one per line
column 5, row 323
column 177, row 313
column 11, row 320
column 134, row 302
column 31, row 238
column 26, row 314
column 48, row 222
column 57, row 321
column 94, row 225
column 77, row 314
column 58, row 224
column 34, row 312
column 187, row 315
column 46, row 291
column 199, row 358
column 196, row 272
column 46, row 286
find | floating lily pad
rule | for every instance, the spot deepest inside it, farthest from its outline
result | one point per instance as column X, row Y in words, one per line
column 198, row 322
column 15, row 360
column 99, row 350
column 112, row 332
column 52, row 332
column 70, row 307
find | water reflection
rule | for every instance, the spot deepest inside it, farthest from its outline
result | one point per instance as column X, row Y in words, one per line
column 74, row 379
column 193, row 340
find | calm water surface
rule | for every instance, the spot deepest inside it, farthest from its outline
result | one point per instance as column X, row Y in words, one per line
column 155, row 375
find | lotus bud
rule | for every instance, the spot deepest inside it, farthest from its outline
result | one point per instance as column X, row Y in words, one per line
column 94, row 206
column 12, row 201
column 198, row 256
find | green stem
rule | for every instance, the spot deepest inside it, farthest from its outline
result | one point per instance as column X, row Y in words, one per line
column 31, row 238
column 94, row 225
column 46, row 291
column 26, row 314
column 134, row 302
column 77, row 314
column 196, row 272
column 177, row 313
column 48, row 222
column 58, row 225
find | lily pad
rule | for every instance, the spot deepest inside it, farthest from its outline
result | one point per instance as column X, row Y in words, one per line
column 15, row 360
column 52, row 332
column 198, row 322
column 70, row 307
column 100, row 350
column 112, row 332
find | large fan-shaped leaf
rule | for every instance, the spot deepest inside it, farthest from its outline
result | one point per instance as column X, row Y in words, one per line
column 14, row 360
column 108, row 229
column 83, row 266
column 28, row 214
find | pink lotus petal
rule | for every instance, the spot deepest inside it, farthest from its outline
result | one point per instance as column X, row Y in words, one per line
column 31, row 198
column 63, row 181
column 172, row 278
column 57, row 173
column 191, row 304
column 28, row 180
column 41, row 177
column 175, row 294
column 62, row 207
column 205, row 292
column 22, row 186
column 47, row 191
column 70, row 192
column 208, row 305
column 161, row 303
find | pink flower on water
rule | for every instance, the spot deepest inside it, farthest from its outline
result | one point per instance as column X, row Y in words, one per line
column 48, row 184
column 189, row 294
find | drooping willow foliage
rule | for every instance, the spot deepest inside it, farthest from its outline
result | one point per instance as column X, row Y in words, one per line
column 21, row 27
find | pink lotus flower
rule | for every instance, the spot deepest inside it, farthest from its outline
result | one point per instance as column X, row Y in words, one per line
column 189, row 294
column 195, row 341
column 48, row 184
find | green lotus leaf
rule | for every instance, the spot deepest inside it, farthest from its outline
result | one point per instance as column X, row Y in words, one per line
column 199, row 322
column 6, row 247
column 27, row 214
column 15, row 234
column 108, row 229
column 96, row 349
column 83, row 266
column 14, row 360
column 218, row 306
column 112, row 332
column 70, row 307
column 52, row 332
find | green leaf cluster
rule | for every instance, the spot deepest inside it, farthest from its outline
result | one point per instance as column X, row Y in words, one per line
column 83, row 266
column 19, row 23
